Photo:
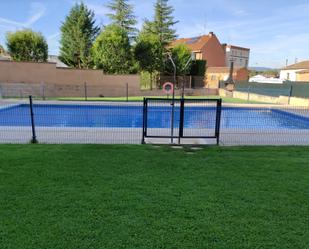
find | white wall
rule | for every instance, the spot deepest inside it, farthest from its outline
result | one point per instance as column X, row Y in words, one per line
column 289, row 74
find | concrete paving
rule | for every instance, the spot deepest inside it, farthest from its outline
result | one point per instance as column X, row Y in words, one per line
column 134, row 136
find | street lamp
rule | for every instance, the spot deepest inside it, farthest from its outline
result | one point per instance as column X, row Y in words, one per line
column 192, row 58
column 173, row 97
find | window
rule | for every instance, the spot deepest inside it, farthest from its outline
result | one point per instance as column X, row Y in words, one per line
column 213, row 77
column 288, row 76
column 198, row 56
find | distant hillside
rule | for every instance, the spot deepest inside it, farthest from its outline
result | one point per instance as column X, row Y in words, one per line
column 263, row 69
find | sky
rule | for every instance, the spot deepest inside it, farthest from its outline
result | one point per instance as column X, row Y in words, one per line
column 274, row 30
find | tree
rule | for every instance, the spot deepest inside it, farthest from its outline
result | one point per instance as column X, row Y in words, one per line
column 161, row 27
column 198, row 68
column 27, row 45
column 163, row 22
column 181, row 55
column 123, row 16
column 146, row 52
column 78, row 33
column 112, row 51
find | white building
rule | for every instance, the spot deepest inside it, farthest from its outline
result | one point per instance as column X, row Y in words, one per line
column 55, row 59
column 50, row 59
column 263, row 79
column 291, row 72
column 239, row 55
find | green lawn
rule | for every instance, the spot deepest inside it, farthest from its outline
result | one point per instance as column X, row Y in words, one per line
column 93, row 196
column 140, row 98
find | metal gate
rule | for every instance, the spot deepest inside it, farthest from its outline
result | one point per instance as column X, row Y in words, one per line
column 181, row 119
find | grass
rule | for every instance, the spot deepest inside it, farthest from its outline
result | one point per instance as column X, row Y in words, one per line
column 94, row 196
column 140, row 98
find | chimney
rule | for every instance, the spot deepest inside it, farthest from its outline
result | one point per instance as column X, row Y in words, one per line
column 211, row 33
column 229, row 83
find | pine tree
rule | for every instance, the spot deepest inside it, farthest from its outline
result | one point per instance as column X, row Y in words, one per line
column 162, row 27
column 78, row 33
column 163, row 22
column 123, row 16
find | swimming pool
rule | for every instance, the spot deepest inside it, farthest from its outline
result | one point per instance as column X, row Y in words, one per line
column 122, row 116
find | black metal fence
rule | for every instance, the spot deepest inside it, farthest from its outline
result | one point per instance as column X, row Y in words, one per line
column 70, row 122
column 195, row 122
column 83, row 91
column 87, row 91
column 181, row 119
column 264, row 125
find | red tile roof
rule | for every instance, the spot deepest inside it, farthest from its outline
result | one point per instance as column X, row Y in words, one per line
column 303, row 71
column 300, row 65
column 194, row 43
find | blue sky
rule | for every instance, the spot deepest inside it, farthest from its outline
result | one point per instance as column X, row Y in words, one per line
column 274, row 30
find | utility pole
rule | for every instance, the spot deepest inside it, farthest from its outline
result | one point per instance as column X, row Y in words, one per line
column 192, row 57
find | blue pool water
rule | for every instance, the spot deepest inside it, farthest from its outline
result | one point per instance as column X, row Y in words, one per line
column 158, row 117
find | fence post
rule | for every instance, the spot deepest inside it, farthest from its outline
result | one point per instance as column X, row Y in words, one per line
column 85, row 91
column 181, row 121
column 33, row 140
column 290, row 94
column 248, row 90
column 43, row 90
column 218, row 120
column 127, row 92
column 144, row 120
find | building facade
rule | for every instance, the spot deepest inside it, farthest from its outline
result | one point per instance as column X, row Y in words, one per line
column 205, row 47
column 214, row 75
column 239, row 55
column 295, row 72
column 303, row 76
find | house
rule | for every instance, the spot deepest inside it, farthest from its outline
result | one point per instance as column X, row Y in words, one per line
column 214, row 75
column 296, row 72
column 51, row 59
column 302, row 76
column 239, row 55
column 263, row 79
column 1, row 50
column 55, row 59
column 4, row 56
column 205, row 47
